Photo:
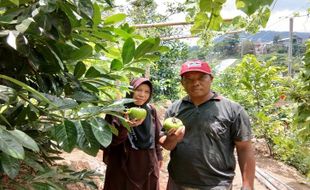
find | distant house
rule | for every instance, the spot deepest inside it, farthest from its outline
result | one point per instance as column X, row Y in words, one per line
column 262, row 47
column 285, row 41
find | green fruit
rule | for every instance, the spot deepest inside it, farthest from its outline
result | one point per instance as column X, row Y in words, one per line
column 172, row 122
column 136, row 113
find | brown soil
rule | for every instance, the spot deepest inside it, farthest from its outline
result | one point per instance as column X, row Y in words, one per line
column 288, row 175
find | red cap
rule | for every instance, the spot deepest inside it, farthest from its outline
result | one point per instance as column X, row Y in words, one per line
column 195, row 65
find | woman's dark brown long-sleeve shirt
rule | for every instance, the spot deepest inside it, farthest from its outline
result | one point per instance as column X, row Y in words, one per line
column 129, row 168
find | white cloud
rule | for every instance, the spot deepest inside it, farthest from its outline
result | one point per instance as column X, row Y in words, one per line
column 282, row 10
column 279, row 21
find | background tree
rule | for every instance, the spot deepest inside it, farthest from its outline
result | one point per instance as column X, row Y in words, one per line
column 62, row 66
column 276, row 39
column 164, row 72
column 265, row 94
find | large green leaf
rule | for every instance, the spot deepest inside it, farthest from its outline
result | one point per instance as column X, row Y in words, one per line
column 22, row 44
column 163, row 49
column 81, row 53
column 199, row 24
column 92, row 72
column 84, row 96
column 96, row 15
column 101, row 131
column 25, row 140
column 94, row 110
column 116, row 65
column 47, row 173
column 122, row 33
column 145, row 47
column 31, row 160
column 16, row 2
column 51, row 62
column 9, row 145
column 90, row 87
column 250, row 6
column 86, row 139
column 135, row 69
column 10, row 165
column 128, row 50
column 22, row 27
column 66, row 135
column 104, row 35
column 4, row 119
column 11, row 39
column 156, row 42
column 59, row 61
column 62, row 103
column 7, row 94
column 73, row 16
column 121, row 102
column 265, row 17
column 8, row 17
column 205, row 5
column 21, row 117
column 79, row 69
column 114, row 19
column 153, row 57
column 85, row 8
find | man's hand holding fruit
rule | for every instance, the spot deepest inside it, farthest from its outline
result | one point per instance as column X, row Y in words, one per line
column 175, row 132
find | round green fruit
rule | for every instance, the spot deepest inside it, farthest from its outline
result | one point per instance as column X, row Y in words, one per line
column 136, row 113
column 172, row 122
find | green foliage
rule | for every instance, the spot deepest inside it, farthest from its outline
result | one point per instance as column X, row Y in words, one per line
column 258, row 83
column 228, row 47
column 166, row 77
column 164, row 74
column 50, row 178
column 62, row 66
column 266, row 97
column 301, row 95
column 206, row 16
column 250, row 6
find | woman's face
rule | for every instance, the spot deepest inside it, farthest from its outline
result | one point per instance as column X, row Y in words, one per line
column 141, row 94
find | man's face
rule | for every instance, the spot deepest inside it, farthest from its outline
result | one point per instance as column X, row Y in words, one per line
column 197, row 84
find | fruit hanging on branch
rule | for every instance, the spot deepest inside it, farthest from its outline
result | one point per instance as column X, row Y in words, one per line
column 172, row 122
column 136, row 113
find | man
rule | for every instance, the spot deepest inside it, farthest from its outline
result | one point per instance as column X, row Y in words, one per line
column 202, row 154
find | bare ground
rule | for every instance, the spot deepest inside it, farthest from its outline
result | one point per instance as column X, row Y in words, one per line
column 286, row 174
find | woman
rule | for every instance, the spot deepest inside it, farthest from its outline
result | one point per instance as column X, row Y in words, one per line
column 134, row 157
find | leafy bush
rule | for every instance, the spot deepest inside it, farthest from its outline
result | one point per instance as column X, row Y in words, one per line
column 259, row 87
column 62, row 67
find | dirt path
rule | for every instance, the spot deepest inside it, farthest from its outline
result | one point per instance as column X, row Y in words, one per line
column 236, row 184
column 286, row 174
column 79, row 161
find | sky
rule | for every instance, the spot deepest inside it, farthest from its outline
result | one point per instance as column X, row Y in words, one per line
column 282, row 10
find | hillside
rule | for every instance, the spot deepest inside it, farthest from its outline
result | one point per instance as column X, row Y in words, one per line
column 265, row 36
